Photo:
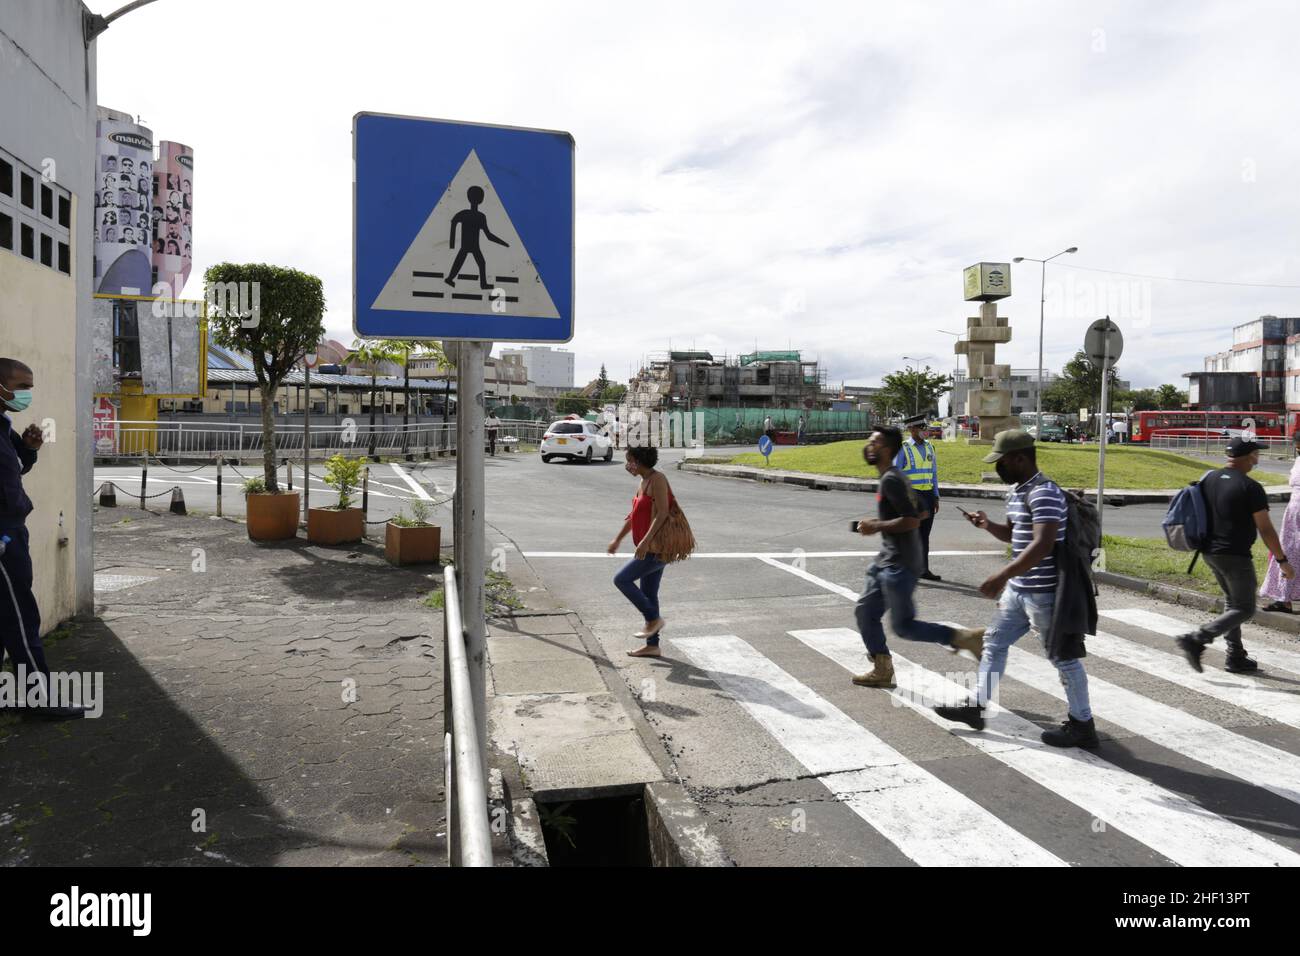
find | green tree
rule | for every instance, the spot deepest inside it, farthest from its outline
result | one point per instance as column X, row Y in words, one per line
column 1079, row 387
column 912, row 390
column 1138, row 399
column 370, row 354
column 1170, row 397
column 286, row 325
column 615, row 393
column 571, row 403
column 602, row 381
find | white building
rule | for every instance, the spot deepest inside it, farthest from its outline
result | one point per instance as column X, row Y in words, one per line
column 547, row 367
column 47, row 201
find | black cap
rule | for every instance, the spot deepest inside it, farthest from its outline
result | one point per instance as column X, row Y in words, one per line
column 914, row 421
column 1241, row 446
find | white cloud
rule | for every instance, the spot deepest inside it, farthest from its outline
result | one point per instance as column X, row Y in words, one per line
column 812, row 174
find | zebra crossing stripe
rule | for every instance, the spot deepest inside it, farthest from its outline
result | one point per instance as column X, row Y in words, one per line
column 1244, row 692
column 1172, row 627
column 1274, row 770
column 929, row 821
column 1162, row 820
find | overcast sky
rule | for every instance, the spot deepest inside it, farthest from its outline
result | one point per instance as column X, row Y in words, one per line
column 811, row 175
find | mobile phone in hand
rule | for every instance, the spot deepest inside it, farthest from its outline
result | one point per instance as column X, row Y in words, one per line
column 853, row 526
column 962, row 510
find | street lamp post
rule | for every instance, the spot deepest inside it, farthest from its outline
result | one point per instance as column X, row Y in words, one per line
column 916, row 408
column 1042, row 303
column 955, row 370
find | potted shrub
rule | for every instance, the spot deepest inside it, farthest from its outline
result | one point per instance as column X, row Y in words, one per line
column 271, row 516
column 342, row 523
column 274, row 315
column 413, row 540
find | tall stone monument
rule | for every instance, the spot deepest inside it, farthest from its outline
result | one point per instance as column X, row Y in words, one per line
column 990, row 395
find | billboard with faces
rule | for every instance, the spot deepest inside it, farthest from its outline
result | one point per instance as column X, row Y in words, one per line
column 123, row 223
column 172, row 212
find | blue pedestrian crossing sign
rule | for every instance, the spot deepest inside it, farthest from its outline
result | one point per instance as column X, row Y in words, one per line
column 461, row 231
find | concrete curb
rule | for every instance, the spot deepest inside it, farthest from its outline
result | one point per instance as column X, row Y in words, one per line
column 952, row 490
column 1189, row 598
column 678, row 833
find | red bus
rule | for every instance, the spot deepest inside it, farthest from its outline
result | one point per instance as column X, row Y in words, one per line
column 1145, row 425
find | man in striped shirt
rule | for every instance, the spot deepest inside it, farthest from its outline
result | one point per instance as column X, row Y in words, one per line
column 1037, row 516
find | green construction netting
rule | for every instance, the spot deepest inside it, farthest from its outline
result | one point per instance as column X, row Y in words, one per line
column 753, row 357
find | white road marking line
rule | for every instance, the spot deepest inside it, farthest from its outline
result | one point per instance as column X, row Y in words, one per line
column 1275, row 770
column 932, row 823
column 1173, row 627
column 812, row 579
column 1244, row 692
column 419, row 492
column 1166, row 822
column 760, row 555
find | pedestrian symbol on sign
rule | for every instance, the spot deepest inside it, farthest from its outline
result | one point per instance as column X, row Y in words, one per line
column 506, row 281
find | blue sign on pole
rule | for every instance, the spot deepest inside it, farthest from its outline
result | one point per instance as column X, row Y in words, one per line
column 765, row 447
column 461, row 231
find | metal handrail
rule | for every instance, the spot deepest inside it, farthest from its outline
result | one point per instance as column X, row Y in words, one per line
column 469, row 837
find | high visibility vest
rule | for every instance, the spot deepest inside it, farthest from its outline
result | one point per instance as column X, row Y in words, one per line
column 917, row 462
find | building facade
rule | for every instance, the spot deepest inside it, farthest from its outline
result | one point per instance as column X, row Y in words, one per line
column 47, row 197
column 546, row 367
column 685, row 380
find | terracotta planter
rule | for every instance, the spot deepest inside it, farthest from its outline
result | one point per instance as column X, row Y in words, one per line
column 332, row 526
column 273, row 517
column 413, row 545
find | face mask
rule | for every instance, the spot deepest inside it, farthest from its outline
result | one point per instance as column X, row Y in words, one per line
column 1004, row 473
column 629, row 468
column 21, row 400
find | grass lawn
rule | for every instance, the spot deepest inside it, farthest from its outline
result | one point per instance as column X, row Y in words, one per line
column 1071, row 466
column 1153, row 560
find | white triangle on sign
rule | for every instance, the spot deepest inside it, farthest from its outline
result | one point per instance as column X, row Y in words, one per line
column 513, row 286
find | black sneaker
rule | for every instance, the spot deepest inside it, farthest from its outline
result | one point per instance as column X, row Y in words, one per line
column 1240, row 664
column 930, row 576
column 1073, row 733
column 56, row 713
column 1192, row 650
column 969, row 714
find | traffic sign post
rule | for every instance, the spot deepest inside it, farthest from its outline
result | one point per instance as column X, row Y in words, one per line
column 463, row 233
column 308, row 363
column 1103, row 344
column 765, row 449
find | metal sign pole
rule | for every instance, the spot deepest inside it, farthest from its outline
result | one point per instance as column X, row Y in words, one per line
column 471, row 540
column 306, row 439
column 1101, row 459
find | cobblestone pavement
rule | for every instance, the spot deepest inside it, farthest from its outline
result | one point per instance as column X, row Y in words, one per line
column 229, row 735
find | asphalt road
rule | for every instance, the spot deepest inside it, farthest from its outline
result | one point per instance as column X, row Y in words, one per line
column 795, row 765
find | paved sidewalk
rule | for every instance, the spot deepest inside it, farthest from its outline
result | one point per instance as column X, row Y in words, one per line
column 224, row 667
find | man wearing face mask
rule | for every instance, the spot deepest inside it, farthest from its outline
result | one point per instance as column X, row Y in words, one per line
column 20, row 617
column 1026, row 589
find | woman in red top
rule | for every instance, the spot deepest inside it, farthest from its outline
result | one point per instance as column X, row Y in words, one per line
column 649, row 512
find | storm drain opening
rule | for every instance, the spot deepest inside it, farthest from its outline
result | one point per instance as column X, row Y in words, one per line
column 602, row 831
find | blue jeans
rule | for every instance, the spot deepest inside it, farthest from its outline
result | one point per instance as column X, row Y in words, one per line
column 1017, row 611
column 650, row 571
column 892, row 587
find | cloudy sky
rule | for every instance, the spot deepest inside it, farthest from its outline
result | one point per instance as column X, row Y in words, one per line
column 811, row 175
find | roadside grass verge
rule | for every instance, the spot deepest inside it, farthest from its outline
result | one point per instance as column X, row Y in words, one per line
column 1153, row 560
column 1127, row 467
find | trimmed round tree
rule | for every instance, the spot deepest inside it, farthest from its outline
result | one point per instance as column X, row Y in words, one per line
column 276, row 316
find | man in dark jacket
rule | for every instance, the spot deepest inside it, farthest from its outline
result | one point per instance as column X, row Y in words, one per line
column 20, row 617
column 1027, row 591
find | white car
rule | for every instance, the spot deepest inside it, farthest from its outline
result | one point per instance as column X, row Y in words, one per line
column 575, row 438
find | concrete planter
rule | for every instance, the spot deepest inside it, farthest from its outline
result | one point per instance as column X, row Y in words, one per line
column 332, row 526
column 272, row 517
column 422, row 545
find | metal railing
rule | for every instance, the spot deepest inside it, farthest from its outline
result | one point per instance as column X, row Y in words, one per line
column 1274, row 447
column 239, row 440
column 469, row 836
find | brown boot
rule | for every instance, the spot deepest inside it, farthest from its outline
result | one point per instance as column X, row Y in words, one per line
column 880, row 675
column 968, row 642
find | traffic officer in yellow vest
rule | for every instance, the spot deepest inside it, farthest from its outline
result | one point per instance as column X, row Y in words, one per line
column 916, row 460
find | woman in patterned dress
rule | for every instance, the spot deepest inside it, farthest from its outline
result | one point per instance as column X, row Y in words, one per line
column 1281, row 591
